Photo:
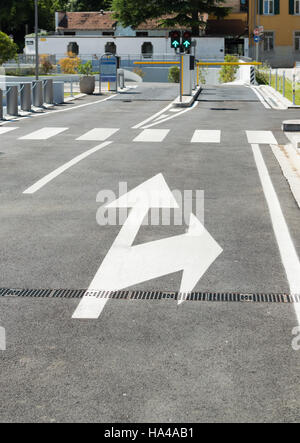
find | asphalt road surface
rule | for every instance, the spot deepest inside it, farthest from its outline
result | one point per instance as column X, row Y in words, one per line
column 147, row 360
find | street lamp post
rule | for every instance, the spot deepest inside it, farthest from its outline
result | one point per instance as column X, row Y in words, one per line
column 36, row 30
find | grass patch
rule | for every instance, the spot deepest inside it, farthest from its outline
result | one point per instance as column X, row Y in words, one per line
column 288, row 88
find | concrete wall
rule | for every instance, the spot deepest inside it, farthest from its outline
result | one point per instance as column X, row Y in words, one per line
column 207, row 48
column 283, row 25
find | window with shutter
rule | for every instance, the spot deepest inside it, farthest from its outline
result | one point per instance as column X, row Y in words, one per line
column 269, row 7
column 292, row 6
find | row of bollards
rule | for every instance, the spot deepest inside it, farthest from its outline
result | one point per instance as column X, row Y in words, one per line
column 280, row 84
column 35, row 94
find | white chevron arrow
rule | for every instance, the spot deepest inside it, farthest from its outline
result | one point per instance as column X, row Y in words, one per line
column 126, row 265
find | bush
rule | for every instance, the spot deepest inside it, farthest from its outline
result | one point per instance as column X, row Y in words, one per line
column 85, row 68
column 139, row 72
column 228, row 73
column 46, row 65
column 174, row 74
column 8, row 49
column 262, row 74
column 70, row 64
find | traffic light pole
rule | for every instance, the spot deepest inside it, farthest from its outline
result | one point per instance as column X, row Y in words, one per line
column 181, row 77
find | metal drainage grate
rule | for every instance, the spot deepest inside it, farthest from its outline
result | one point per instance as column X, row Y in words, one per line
column 152, row 295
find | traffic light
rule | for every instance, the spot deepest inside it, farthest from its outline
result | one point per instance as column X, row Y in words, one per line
column 187, row 40
column 175, row 39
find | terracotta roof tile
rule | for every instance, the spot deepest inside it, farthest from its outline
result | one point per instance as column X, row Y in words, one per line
column 87, row 20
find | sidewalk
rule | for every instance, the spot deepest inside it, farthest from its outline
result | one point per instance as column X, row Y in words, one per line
column 288, row 157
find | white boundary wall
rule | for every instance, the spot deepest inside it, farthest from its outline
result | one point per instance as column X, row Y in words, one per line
column 208, row 48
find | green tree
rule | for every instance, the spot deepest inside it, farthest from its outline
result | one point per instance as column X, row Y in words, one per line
column 184, row 12
column 8, row 49
column 17, row 16
column 228, row 72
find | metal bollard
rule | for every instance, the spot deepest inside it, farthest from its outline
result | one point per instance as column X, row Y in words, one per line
column 37, row 93
column 276, row 80
column 270, row 77
column 121, row 81
column 25, row 97
column 1, row 104
column 12, row 100
column 71, row 88
column 48, row 92
column 283, row 86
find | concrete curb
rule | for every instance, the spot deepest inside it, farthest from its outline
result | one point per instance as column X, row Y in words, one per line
column 187, row 100
column 275, row 99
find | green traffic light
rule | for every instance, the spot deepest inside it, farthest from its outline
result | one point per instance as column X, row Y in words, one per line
column 186, row 43
column 175, row 43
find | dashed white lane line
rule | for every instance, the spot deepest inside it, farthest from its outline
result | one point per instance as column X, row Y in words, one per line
column 152, row 135
column 43, row 134
column 261, row 137
column 48, row 178
column 4, row 130
column 206, row 136
column 286, row 246
column 98, row 134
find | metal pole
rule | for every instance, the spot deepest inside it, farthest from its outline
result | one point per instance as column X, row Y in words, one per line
column 1, row 104
column 276, row 80
column 36, row 30
column 181, row 77
column 294, row 89
column 283, row 84
column 270, row 77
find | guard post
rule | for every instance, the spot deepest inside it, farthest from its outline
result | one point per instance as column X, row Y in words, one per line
column 12, row 100
column 25, row 97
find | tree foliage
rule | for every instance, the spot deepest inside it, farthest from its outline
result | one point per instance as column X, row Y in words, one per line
column 17, row 16
column 8, row 49
column 184, row 12
column 228, row 72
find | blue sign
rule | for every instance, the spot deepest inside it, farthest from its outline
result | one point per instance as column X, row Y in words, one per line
column 257, row 38
column 108, row 68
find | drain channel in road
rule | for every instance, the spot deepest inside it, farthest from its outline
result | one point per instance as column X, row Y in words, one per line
column 153, row 295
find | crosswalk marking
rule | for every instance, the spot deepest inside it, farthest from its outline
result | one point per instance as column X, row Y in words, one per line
column 261, row 137
column 152, row 135
column 98, row 134
column 4, row 130
column 43, row 134
column 148, row 135
column 205, row 136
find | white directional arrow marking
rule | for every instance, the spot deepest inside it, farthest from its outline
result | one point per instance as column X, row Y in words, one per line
column 126, row 265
